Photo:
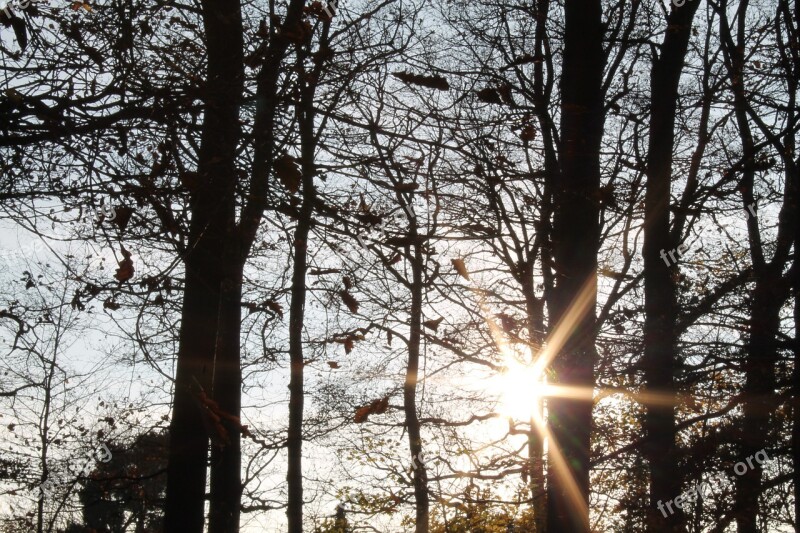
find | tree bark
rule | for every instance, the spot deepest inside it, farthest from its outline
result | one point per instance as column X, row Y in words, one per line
column 535, row 315
column 660, row 335
column 771, row 290
column 212, row 208
column 305, row 111
column 420, row 472
column 226, row 461
column 576, row 235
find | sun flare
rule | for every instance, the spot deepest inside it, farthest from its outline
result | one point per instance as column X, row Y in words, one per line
column 521, row 389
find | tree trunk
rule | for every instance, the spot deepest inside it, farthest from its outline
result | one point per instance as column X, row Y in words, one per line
column 226, row 461
column 420, row 472
column 770, row 291
column 576, row 235
column 535, row 315
column 212, row 208
column 660, row 335
column 305, row 111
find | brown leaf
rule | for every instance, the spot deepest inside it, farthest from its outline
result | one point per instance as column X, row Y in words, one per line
column 505, row 94
column 377, row 407
column 489, row 95
column 348, row 284
column 381, row 406
column 528, row 133
column 396, row 258
column 389, row 336
column 333, row 364
column 433, row 324
column 122, row 215
column 110, row 304
column 361, row 414
column 275, row 307
column 349, row 343
column 288, row 172
column 507, row 322
column 434, row 82
column 406, row 187
column 523, row 59
column 349, row 301
column 125, row 270
column 263, row 31
column 460, row 268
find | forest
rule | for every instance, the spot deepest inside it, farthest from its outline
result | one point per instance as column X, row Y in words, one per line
column 443, row 266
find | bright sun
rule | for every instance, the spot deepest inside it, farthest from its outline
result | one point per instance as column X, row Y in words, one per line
column 521, row 389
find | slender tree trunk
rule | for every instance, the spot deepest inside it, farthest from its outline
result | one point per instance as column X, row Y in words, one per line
column 576, row 235
column 44, row 435
column 211, row 205
column 769, row 293
column 660, row 335
column 796, row 371
column 420, row 472
column 535, row 315
column 296, row 316
column 294, row 443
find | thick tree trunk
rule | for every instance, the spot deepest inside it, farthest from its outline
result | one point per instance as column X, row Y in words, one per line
column 759, row 392
column 226, row 461
column 576, row 235
column 660, row 335
column 212, row 208
column 188, row 444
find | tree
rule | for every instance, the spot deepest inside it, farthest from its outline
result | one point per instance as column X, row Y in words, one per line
column 660, row 337
column 575, row 235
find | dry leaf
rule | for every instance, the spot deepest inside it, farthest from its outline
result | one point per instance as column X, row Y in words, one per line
column 460, row 268
column 333, row 364
column 349, row 301
column 523, row 59
column 361, row 414
column 381, row 406
column 434, row 82
column 122, row 215
column 377, row 407
column 489, row 95
column 396, row 258
column 288, row 172
column 433, row 324
column 348, row 284
column 125, row 270
column 528, row 133
column 275, row 307
column 507, row 322
column 406, row 187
